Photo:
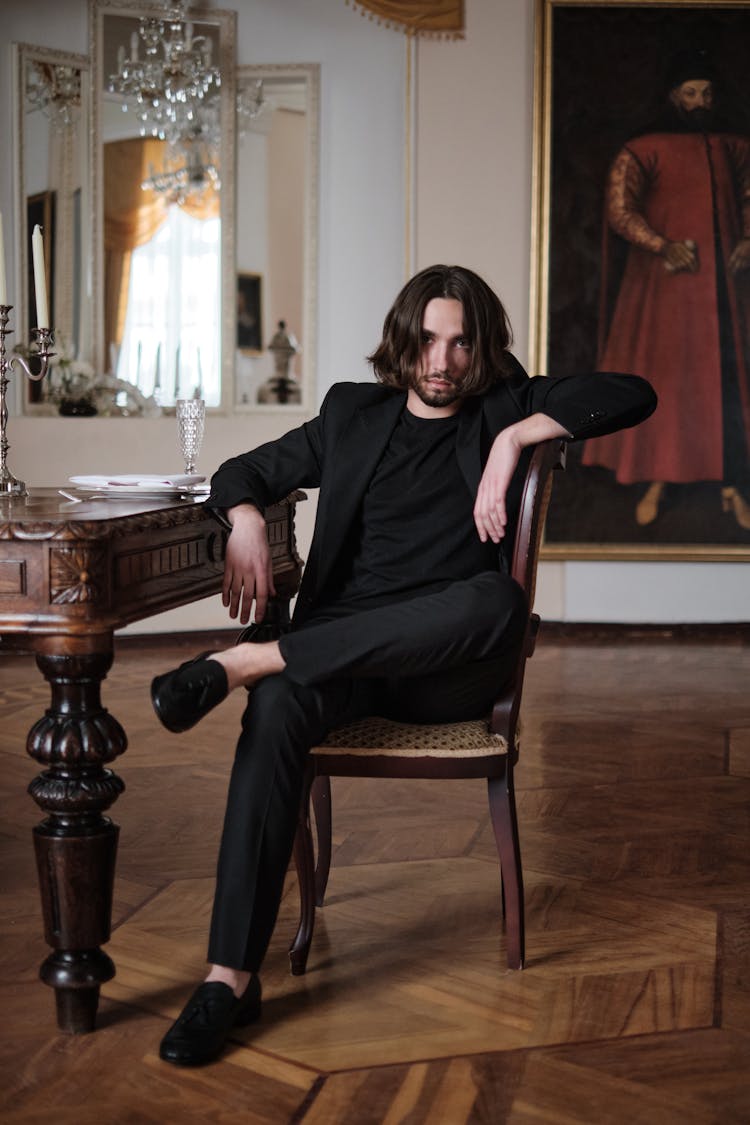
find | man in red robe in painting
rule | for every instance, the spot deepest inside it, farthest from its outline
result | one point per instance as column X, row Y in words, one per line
column 679, row 195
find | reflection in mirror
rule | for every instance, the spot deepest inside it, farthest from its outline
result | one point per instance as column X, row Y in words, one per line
column 165, row 193
column 51, row 99
column 276, row 228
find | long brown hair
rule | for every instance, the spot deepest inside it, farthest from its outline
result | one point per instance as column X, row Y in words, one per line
column 486, row 325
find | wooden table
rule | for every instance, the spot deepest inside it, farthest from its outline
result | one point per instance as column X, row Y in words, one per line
column 70, row 575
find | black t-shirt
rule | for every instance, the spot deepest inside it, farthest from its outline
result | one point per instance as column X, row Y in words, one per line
column 416, row 530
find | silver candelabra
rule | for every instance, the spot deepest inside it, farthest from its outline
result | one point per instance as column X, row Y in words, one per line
column 43, row 338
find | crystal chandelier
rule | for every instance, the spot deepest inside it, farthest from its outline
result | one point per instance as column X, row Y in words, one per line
column 56, row 91
column 191, row 161
column 250, row 104
column 174, row 78
column 192, row 178
column 183, row 183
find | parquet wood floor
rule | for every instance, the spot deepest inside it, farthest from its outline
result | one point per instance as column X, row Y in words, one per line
column 634, row 806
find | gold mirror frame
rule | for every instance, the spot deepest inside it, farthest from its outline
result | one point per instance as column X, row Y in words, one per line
column 226, row 24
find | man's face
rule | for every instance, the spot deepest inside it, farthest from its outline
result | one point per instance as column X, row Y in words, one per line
column 444, row 359
column 694, row 100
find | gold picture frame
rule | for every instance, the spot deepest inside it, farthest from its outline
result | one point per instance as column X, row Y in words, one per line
column 603, row 74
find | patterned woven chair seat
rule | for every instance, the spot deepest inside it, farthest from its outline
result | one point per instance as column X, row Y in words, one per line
column 378, row 737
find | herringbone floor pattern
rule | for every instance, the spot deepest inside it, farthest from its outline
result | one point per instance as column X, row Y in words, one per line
column 634, row 805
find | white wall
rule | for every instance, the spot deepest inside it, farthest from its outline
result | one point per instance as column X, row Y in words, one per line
column 473, row 206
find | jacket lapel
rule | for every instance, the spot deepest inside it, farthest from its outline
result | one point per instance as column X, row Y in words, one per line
column 354, row 458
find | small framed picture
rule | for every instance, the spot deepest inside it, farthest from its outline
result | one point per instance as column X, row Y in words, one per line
column 250, row 313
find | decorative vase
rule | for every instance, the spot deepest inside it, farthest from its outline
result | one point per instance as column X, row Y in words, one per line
column 77, row 408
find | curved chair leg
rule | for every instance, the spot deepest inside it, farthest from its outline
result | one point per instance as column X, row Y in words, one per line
column 304, row 861
column 321, row 803
column 505, row 825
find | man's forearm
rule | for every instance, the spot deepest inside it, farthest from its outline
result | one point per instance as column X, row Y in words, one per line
column 490, row 512
column 246, row 512
column 532, row 430
column 626, row 188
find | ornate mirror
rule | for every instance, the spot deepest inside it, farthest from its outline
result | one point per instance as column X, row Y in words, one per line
column 109, row 194
column 52, row 190
column 163, row 139
column 276, row 235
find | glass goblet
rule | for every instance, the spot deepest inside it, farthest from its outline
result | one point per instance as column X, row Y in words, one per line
column 191, row 419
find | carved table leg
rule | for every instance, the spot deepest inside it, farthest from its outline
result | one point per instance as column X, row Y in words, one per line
column 75, row 845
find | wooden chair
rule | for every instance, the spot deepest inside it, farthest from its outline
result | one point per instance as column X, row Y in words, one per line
column 375, row 747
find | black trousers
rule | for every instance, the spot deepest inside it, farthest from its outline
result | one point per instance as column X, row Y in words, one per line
column 438, row 657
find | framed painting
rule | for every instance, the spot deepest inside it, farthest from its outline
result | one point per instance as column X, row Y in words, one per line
column 250, row 313
column 641, row 264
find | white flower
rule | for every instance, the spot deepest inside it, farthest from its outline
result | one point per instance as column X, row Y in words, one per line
column 69, row 377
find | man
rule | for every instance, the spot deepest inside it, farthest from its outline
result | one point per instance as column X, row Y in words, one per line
column 405, row 608
column 679, row 195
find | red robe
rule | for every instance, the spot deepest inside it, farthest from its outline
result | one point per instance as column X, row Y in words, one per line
column 665, row 327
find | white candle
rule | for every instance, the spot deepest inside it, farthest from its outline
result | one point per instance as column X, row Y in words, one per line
column 40, row 279
column 134, row 46
column 177, row 373
column 157, row 373
column 3, row 285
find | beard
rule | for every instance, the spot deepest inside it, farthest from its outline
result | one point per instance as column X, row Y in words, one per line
column 431, row 396
column 698, row 120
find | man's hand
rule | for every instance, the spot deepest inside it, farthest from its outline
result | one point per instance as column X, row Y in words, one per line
column 490, row 514
column 681, row 257
column 740, row 257
column 248, row 573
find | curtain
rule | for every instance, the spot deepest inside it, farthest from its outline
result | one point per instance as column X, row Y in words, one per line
column 133, row 216
column 433, row 18
column 171, row 341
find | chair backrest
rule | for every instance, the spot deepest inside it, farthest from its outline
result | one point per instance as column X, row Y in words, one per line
column 535, row 497
column 537, row 489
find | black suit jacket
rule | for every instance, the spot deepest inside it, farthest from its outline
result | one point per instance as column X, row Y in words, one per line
column 339, row 449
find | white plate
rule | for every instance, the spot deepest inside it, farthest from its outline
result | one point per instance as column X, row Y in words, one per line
column 149, row 482
column 131, row 485
column 142, row 493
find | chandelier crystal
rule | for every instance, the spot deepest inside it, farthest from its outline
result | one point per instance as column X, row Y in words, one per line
column 251, row 102
column 167, row 74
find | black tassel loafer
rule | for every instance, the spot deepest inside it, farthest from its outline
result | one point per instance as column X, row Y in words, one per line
column 200, row 1032
column 183, row 696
